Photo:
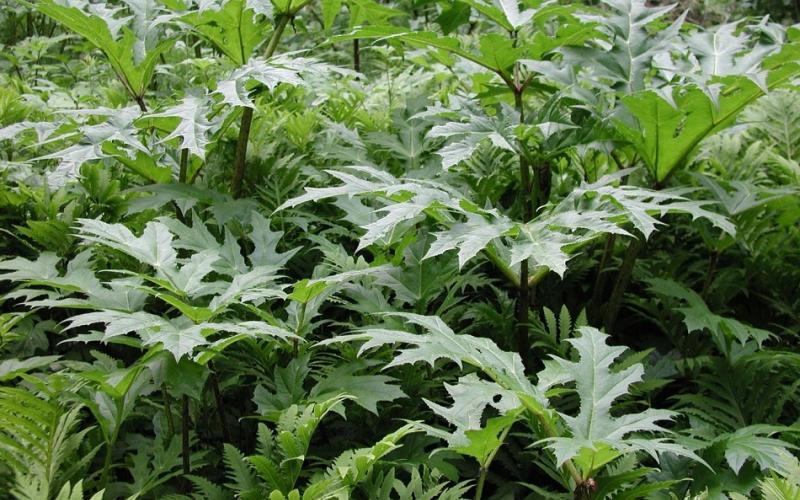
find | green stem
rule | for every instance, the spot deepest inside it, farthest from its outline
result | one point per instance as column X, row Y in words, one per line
column 481, row 482
column 523, row 342
column 485, row 467
column 356, row 56
column 550, row 432
column 247, row 115
column 502, row 266
column 538, row 276
column 625, row 271
column 107, row 460
column 183, row 165
column 601, row 278
column 168, row 409
column 185, row 451
column 106, row 466
column 713, row 259
column 220, row 402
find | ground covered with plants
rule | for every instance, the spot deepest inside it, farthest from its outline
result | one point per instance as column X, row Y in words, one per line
column 405, row 249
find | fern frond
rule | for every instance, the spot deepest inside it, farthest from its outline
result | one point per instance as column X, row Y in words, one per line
column 40, row 442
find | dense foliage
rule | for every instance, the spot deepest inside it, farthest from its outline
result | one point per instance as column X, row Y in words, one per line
column 285, row 249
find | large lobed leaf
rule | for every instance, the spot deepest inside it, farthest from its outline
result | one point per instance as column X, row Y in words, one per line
column 598, row 385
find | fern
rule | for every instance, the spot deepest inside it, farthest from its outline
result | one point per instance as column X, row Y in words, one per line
column 41, row 443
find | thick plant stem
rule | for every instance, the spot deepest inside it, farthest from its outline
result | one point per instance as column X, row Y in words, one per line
column 523, row 342
column 504, row 268
column 601, row 278
column 485, row 466
column 106, row 466
column 140, row 101
column 713, row 258
column 585, row 490
column 356, row 56
column 214, row 380
column 185, row 436
column 241, row 152
column 107, row 461
column 183, row 165
column 544, row 183
column 247, row 116
column 168, row 409
column 481, row 482
column 550, row 432
column 624, row 276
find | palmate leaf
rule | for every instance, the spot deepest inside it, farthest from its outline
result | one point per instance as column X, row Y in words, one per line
column 727, row 50
column 120, row 294
column 467, row 136
column 598, row 386
column 471, row 397
column 666, row 134
column 469, row 237
column 366, row 390
column 234, row 27
column 286, row 68
column 754, row 442
column 115, row 137
column 548, row 241
column 440, row 342
column 698, row 317
column 737, row 197
column 630, row 58
column 496, row 53
column 22, row 269
column 178, row 336
column 188, row 121
column 639, row 206
column 482, row 443
column 133, row 67
column 265, row 244
column 420, row 38
column 153, row 247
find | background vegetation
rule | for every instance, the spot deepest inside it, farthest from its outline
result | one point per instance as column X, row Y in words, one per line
column 412, row 249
